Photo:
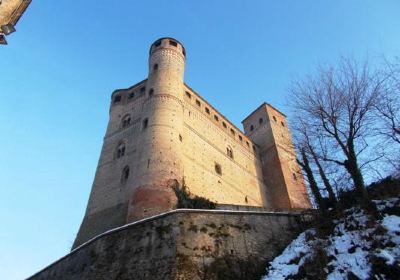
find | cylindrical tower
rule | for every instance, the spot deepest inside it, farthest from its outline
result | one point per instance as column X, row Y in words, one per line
column 160, row 165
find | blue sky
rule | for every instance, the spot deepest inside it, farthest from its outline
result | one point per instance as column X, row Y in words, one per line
column 60, row 67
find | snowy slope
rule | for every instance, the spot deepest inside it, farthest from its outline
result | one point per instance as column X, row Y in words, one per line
column 358, row 247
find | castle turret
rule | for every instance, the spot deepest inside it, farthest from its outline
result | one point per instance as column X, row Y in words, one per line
column 161, row 161
column 267, row 127
column 160, row 131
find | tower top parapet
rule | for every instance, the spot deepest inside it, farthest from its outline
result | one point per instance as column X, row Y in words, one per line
column 167, row 42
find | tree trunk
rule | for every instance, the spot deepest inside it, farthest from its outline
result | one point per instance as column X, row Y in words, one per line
column 325, row 180
column 313, row 184
column 352, row 167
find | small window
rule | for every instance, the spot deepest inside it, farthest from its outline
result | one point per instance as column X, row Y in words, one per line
column 142, row 89
column 240, row 138
column 260, row 121
column 183, row 51
column 294, row 176
column 198, row 102
column 155, row 67
column 120, row 150
column 173, row 43
column 218, row 169
column 254, row 148
column 232, row 131
column 216, row 117
column 131, row 95
column 125, row 174
column 117, row 98
column 188, row 94
column 283, row 124
column 126, row 121
column 224, row 124
column 145, row 123
column 274, row 118
column 229, row 152
column 251, row 127
column 158, row 43
column 247, row 143
column 180, row 138
column 207, row 110
column 151, row 92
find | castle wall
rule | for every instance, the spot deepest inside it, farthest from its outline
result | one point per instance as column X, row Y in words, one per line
column 205, row 143
column 182, row 245
column 174, row 136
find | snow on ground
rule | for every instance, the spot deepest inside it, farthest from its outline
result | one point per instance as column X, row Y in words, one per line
column 355, row 246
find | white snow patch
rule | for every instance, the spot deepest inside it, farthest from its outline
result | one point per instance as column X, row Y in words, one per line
column 349, row 248
column 392, row 223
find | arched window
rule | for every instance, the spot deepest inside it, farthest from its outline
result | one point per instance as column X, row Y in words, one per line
column 126, row 121
column 117, row 98
column 120, row 152
column 229, row 152
column 125, row 174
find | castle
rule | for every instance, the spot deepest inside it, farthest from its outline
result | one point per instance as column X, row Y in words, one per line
column 162, row 134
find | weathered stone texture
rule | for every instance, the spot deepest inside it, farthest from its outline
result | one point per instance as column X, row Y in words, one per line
column 181, row 245
column 174, row 135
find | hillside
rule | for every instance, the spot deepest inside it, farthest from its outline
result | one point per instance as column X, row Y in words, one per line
column 355, row 246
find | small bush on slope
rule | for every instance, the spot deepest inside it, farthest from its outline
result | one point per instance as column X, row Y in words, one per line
column 358, row 247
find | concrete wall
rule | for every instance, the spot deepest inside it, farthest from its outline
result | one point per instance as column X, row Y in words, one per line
column 183, row 244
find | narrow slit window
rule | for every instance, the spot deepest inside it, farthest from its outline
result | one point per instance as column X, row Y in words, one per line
column 251, row 127
column 145, row 123
column 216, row 117
column 131, row 95
column 260, row 121
column 283, row 124
column 142, row 89
column 120, row 150
column 198, row 103
column 224, row 124
column 232, row 131
column 173, row 43
column 274, row 118
column 240, row 138
column 229, row 152
column 151, row 92
column 155, row 67
column 188, row 94
column 125, row 174
column 218, row 169
column 294, row 176
column 207, row 110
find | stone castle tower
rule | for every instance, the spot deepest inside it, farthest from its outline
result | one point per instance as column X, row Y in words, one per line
column 162, row 133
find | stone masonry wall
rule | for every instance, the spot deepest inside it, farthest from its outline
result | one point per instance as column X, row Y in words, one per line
column 182, row 244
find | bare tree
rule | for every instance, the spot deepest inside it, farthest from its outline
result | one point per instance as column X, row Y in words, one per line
column 388, row 107
column 337, row 105
column 308, row 148
column 305, row 165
